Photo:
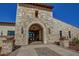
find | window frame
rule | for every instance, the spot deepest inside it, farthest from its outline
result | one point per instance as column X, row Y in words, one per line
column 36, row 13
column 60, row 33
column 69, row 34
column 10, row 34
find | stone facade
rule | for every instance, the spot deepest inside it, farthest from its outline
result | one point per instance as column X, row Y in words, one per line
column 51, row 27
column 65, row 28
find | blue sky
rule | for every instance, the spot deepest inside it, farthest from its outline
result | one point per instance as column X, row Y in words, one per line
column 65, row 12
column 7, row 12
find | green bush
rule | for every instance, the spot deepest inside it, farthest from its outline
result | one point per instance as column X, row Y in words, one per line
column 75, row 40
column 1, row 43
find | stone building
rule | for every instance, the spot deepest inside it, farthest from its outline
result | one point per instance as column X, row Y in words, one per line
column 35, row 22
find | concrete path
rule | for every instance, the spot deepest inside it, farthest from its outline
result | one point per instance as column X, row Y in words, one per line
column 44, row 50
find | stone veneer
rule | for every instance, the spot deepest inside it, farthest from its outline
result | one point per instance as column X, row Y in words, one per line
column 26, row 18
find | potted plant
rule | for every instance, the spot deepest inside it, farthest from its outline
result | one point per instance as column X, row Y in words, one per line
column 0, row 49
column 75, row 43
column 64, row 42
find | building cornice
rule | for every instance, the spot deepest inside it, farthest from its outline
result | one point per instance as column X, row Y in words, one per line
column 7, row 24
column 43, row 6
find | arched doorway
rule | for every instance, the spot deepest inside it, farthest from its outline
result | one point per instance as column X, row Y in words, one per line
column 35, row 33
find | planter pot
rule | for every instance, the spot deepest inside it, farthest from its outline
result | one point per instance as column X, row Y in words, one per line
column 61, row 42
column 66, row 43
column 7, row 47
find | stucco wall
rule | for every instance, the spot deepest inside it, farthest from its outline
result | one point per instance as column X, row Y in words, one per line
column 5, row 29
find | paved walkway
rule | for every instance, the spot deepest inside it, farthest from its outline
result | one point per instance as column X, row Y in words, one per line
column 44, row 50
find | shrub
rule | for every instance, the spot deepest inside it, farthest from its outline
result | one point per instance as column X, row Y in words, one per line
column 75, row 40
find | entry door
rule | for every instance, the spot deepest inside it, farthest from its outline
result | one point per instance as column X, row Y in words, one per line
column 33, row 36
column 36, row 36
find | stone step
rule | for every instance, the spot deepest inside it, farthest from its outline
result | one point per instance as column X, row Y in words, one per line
column 36, row 42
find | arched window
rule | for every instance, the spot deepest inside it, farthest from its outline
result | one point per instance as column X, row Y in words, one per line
column 49, row 30
column 69, row 34
column 36, row 14
column 60, row 33
column 22, row 30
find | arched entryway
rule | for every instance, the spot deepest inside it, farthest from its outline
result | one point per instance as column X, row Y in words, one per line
column 35, row 33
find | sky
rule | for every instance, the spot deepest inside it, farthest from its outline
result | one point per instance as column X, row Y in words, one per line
column 66, row 12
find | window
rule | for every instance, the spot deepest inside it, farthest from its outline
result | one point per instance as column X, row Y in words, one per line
column 69, row 34
column 11, row 33
column 22, row 30
column 49, row 30
column 60, row 33
column 1, row 33
column 36, row 13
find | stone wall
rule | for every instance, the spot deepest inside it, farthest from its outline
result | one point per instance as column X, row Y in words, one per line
column 26, row 15
column 64, row 27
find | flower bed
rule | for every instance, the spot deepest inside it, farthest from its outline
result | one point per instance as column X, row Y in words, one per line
column 0, row 50
column 74, row 46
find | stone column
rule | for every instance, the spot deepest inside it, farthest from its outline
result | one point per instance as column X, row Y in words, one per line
column 44, row 36
column 40, row 38
column 26, row 36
